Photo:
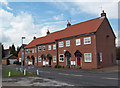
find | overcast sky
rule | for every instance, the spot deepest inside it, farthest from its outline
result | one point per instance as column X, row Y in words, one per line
column 30, row 19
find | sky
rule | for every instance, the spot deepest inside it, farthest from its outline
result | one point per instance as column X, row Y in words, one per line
column 33, row 18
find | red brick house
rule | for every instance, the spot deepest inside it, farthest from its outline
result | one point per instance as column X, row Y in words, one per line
column 86, row 45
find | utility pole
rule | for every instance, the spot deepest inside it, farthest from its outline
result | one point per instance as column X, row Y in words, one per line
column 22, row 53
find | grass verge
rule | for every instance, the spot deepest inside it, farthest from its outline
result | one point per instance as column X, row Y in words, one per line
column 16, row 73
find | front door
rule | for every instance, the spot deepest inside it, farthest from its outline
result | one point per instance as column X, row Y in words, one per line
column 68, row 61
column 43, row 61
column 50, row 61
column 32, row 61
column 78, row 61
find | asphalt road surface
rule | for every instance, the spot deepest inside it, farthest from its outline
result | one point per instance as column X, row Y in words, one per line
column 76, row 77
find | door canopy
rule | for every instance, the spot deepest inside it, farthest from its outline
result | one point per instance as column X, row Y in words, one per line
column 49, row 56
column 28, row 57
column 67, row 54
column 78, row 54
column 43, row 56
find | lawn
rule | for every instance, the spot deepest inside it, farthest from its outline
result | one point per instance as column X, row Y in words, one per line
column 16, row 73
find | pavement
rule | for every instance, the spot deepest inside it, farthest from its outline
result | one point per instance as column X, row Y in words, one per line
column 65, row 77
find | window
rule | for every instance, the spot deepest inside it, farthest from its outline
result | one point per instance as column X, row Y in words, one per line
column 39, row 48
column 39, row 59
column 87, row 57
column 54, row 47
column 54, row 59
column 100, row 57
column 87, row 40
column 67, row 43
column 28, row 51
column 77, row 42
column 61, row 58
column 19, row 59
column 25, row 51
column 32, row 50
column 35, row 50
column 43, row 48
column 49, row 47
column 61, row 44
column 25, row 60
column 35, row 59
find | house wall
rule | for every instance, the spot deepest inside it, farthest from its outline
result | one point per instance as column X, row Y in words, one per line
column 51, row 52
column 4, row 62
column 89, row 48
column 106, row 45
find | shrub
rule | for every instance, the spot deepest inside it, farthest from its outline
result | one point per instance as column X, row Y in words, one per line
column 57, row 66
column 8, row 61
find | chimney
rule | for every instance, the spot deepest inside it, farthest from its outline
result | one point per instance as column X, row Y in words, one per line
column 68, row 25
column 34, row 37
column 48, row 32
column 103, row 14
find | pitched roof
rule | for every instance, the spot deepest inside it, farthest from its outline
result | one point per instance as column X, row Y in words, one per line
column 77, row 29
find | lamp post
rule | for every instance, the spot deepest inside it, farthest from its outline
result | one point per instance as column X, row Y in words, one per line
column 22, row 55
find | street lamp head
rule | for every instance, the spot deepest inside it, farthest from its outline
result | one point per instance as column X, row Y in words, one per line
column 23, row 37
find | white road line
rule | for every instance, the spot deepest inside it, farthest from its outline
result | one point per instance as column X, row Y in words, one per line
column 110, row 78
column 70, row 74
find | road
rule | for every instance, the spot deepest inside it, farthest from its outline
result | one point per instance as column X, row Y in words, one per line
column 76, row 77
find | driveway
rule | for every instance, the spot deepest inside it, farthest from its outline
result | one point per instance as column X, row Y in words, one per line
column 74, row 77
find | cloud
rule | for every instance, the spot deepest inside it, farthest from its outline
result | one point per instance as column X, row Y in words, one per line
column 4, row 2
column 91, row 7
column 59, row 17
column 12, row 27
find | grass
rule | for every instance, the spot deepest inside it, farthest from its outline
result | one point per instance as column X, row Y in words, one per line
column 16, row 73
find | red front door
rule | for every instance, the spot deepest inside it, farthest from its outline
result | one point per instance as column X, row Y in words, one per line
column 78, row 61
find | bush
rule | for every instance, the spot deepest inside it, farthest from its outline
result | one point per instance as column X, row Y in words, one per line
column 57, row 66
column 63, row 66
column 8, row 61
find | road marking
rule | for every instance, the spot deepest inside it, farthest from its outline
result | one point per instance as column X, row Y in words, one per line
column 111, row 78
column 70, row 74
column 40, row 71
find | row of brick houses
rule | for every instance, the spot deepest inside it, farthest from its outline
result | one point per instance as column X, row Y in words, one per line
column 86, row 45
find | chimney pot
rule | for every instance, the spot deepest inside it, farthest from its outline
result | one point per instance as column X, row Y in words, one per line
column 68, row 25
column 34, row 37
column 48, row 32
column 103, row 14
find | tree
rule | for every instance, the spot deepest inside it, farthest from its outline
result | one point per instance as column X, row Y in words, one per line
column 3, row 55
column 18, row 49
column 12, row 50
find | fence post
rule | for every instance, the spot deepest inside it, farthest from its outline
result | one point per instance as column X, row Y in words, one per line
column 37, row 72
column 9, row 74
column 24, row 71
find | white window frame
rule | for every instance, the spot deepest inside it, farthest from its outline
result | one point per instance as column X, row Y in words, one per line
column 61, row 44
column 25, row 60
column 39, row 59
column 49, row 47
column 86, row 39
column 35, row 59
column 85, row 57
column 67, row 43
column 78, row 42
column 32, row 50
column 29, row 51
column 44, row 48
column 39, row 48
column 26, row 51
column 54, row 57
column 59, row 58
column 54, row 47
column 100, row 57
column 35, row 50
